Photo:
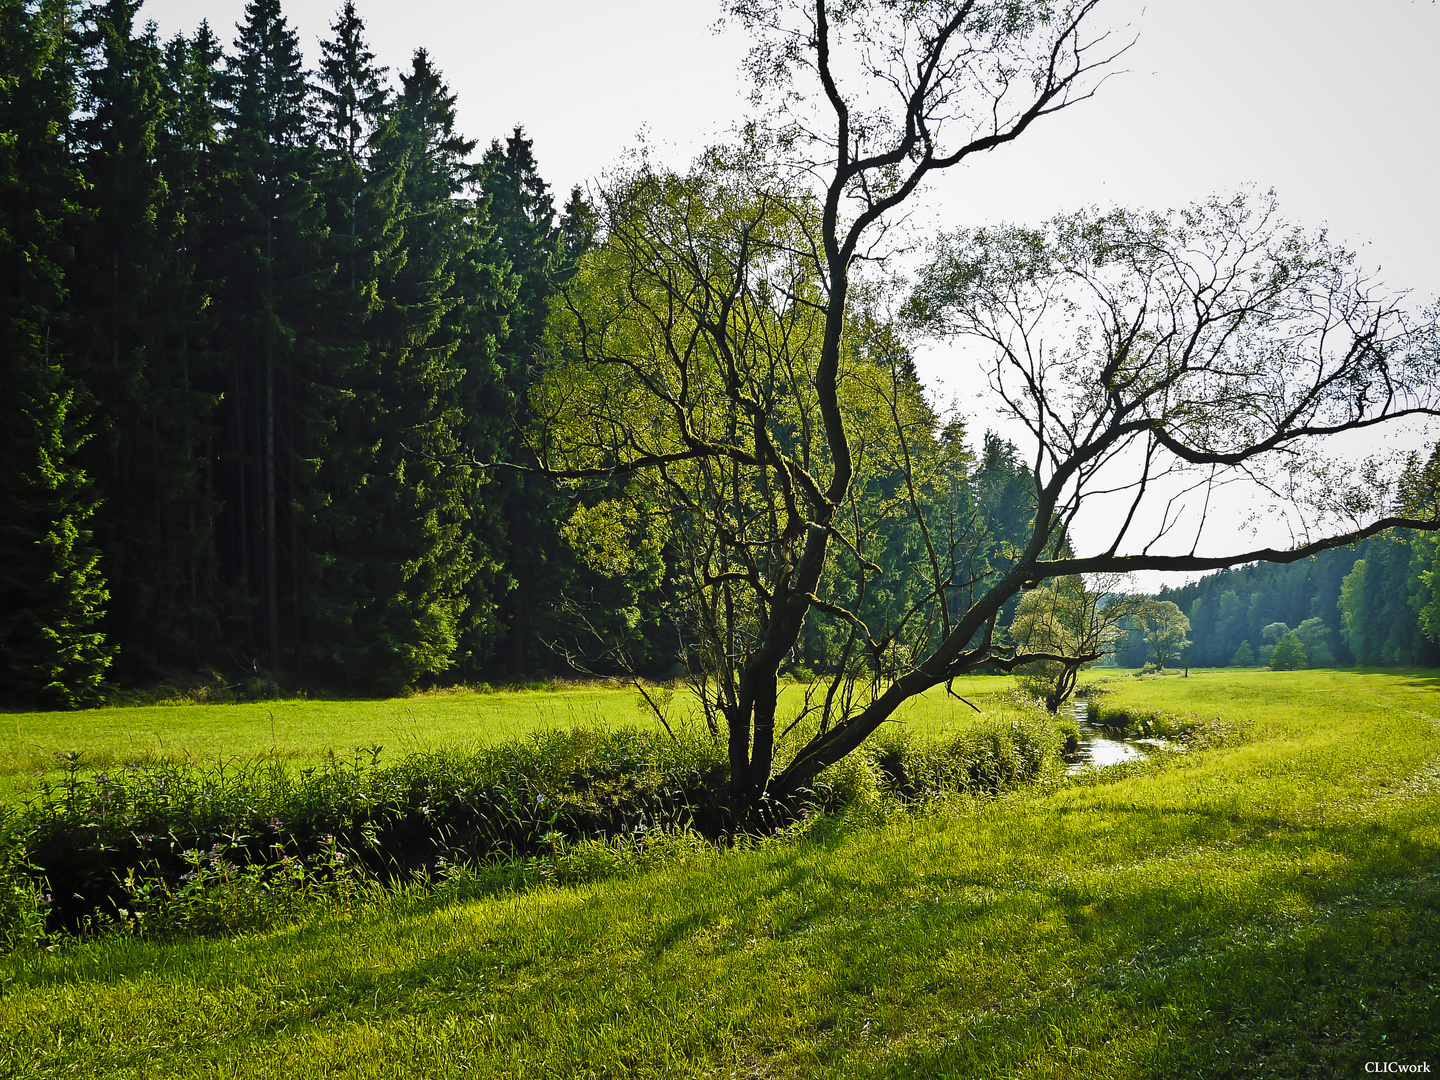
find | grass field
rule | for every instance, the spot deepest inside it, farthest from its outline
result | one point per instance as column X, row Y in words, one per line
column 1265, row 910
column 302, row 730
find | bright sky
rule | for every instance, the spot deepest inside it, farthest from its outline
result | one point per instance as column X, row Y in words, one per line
column 1332, row 104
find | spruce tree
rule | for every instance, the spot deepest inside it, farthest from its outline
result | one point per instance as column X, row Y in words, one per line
column 361, row 214
column 415, row 561
column 130, row 287
column 538, row 565
column 273, row 422
column 52, row 593
column 190, row 161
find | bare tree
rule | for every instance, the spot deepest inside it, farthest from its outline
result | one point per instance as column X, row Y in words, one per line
column 714, row 355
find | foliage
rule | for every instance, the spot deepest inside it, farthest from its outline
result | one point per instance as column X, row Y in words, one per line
column 1069, row 621
column 245, row 315
column 1244, row 656
column 715, row 343
column 24, row 901
column 180, row 848
column 1165, row 627
column 101, row 838
column 1289, row 653
column 1232, row 606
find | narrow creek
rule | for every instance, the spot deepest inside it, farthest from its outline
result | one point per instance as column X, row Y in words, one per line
column 1097, row 748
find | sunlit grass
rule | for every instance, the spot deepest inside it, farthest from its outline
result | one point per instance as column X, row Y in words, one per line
column 302, row 731
column 1267, row 910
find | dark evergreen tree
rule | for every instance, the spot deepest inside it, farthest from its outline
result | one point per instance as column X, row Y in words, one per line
column 362, row 213
column 414, row 571
column 273, row 414
column 539, row 567
column 190, row 162
column 131, row 290
column 52, row 593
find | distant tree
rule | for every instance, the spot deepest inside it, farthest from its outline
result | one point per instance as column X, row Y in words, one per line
column 1354, row 620
column 1270, row 635
column 1289, row 654
column 1315, row 636
column 1066, row 620
column 1244, row 656
column 1165, row 627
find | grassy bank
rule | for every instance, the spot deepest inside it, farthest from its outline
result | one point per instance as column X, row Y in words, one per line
column 1267, row 910
column 305, row 731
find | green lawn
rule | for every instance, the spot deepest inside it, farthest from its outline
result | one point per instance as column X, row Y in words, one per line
column 303, row 730
column 1266, row 910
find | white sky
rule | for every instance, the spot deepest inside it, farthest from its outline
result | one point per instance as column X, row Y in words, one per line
column 1333, row 104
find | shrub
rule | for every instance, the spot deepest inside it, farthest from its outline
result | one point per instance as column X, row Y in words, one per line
column 87, row 833
column 1289, row 654
column 24, row 901
column 1188, row 730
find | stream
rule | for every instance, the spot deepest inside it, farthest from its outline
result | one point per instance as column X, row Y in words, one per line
column 1098, row 749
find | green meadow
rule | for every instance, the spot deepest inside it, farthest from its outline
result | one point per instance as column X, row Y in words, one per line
column 304, row 730
column 1264, row 908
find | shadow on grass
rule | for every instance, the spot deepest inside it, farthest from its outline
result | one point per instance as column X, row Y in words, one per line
column 910, row 967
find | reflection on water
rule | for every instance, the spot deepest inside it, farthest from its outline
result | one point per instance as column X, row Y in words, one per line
column 1095, row 748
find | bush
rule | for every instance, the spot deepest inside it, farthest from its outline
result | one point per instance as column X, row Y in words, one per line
column 1189, row 730
column 100, row 839
column 1289, row 654
column 24, row 902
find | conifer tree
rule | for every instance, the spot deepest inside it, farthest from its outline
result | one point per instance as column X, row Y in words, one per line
column 539, row 567
column 274, row 425
column 363, row 233
column 189, row 160
column 130, row 289
column 417, row 562
column 52, row 594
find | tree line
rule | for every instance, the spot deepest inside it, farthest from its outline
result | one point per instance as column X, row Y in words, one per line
column 253, row 314
column 1373, row 604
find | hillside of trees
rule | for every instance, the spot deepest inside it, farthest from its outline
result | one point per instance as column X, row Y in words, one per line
column 1372, row 605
